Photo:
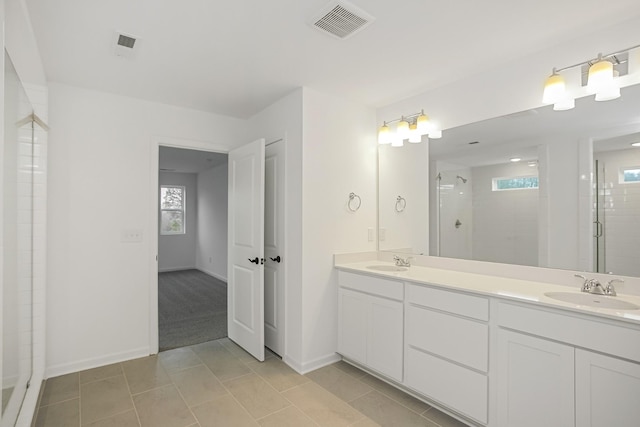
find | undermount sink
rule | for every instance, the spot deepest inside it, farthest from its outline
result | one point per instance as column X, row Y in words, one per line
column 592, row 300
column 386, row 268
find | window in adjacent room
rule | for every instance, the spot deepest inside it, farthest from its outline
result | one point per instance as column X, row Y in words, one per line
column 172, row 204
column 630, row 175
column 515, row 183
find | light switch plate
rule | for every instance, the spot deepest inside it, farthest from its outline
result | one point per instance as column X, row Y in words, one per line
column 131, row 236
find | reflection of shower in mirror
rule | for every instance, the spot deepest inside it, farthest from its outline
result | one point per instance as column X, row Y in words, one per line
column 464, row 180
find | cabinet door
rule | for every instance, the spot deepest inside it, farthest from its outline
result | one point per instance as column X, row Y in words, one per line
column 534, row 381
column 384, row 339
column 352, row 325
column 607, row 391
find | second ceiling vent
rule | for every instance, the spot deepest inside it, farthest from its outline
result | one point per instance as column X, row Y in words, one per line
column 342, row 20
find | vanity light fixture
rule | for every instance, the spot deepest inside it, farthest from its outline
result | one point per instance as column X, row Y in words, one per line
column 412, row 128
column 602, row 80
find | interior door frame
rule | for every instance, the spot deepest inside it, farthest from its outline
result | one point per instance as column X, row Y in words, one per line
column 156, row 143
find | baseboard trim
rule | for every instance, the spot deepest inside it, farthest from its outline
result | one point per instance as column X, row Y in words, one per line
column 168, row 270
column 306, row 367
column 81, row 365
column 212, row 274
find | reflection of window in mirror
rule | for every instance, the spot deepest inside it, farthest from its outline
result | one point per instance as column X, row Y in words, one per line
column 630, row 175
column 515, row 183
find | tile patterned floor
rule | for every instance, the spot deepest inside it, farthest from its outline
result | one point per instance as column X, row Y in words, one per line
column 218, row 384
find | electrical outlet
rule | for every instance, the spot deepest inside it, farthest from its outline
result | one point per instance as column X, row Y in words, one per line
column 131, row 236
column 210, row 260
column 370, row 234
column 383, row 234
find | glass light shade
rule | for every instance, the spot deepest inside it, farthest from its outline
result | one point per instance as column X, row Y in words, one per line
column 600, row 76
column 403, row 129
column 414, row 135
column 611, row 91
column 384, row 134
column 435, row 134
column 564, row 104
column 554, row 89
column 423, row 123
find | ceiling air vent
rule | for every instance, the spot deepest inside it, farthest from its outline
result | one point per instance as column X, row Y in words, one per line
column 125, row 45
column 342, row 20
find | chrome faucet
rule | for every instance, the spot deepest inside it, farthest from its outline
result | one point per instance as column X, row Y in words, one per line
column 593, row 286
column 400, row 262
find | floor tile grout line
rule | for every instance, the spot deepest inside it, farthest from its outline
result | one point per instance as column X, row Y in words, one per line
column 393, row 399
column 133, row 404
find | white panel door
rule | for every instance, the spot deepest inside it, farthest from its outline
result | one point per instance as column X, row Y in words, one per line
column 535, row 381
column 384, row 336
column 352, row 324
column 274, row 277
column 245, row 281
column 607, row 391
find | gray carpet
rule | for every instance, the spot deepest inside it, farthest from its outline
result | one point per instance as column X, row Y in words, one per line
column 192, row 308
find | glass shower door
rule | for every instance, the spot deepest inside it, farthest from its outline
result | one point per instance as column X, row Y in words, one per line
column 599, row 258
column 17, row 242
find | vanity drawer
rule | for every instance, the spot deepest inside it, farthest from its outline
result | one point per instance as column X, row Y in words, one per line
column 460, row 340
column 372, row 285
column 461, row 389
column 617, row 339
column 452, row 302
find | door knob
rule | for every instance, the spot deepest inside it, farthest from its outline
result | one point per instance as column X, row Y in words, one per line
column 255, row 260
column 276, row 259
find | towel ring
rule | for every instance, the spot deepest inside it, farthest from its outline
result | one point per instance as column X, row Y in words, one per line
column 401, row 203
column 354, row 202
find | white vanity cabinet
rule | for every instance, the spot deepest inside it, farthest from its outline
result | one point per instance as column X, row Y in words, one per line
column 551, row 369
column 535, row 381
column 447, row 348
column 370, row 322
column 607, row 391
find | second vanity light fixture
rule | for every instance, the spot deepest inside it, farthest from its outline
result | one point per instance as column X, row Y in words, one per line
column 602, row 80
column 412, row 128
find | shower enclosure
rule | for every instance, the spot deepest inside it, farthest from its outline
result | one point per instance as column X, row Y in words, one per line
column 599, row 193
column 453, row 214
column 19, row 169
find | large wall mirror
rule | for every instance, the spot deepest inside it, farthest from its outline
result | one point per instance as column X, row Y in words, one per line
column 546, row 188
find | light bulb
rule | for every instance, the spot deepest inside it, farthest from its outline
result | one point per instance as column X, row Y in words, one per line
column 611, row 90
column 403, row 129
column 414, row 135
column 435, row 134
column 397, row 141
column 600, row 76
column 384, row 134
column 423, row 123
column 554, row 89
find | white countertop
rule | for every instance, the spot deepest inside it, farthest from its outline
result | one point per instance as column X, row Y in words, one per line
column 511, row 289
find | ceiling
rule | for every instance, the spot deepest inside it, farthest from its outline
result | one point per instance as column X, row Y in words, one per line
column 236, row 57
column 188, row 161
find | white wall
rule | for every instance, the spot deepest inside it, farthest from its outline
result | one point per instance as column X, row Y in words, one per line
column 330, row 151
column 211, row 250
column 404, row 171
column 98, row 299
column 178, row 251
column 339, row 157
column 513, row 86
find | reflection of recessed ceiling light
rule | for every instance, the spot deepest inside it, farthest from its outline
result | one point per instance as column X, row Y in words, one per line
column 635, row 144
column 533, row 163
column 515, row 159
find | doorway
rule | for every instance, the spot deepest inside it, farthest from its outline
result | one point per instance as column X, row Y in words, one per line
column 192, row 291
column 274, row 238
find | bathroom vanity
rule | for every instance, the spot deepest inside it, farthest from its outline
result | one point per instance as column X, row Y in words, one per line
column 492, row 351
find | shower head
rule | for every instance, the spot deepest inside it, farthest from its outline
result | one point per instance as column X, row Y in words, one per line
column 464, row 181
column 439, row 177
